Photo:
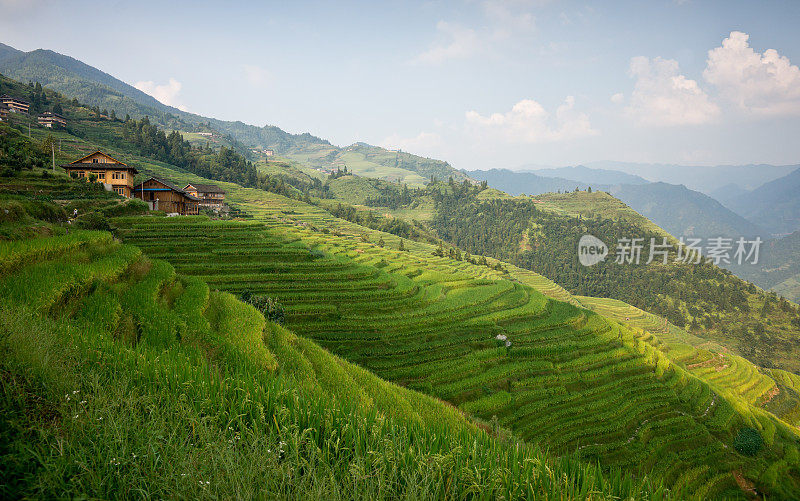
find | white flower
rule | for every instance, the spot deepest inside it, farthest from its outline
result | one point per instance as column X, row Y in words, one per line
column 508, row 344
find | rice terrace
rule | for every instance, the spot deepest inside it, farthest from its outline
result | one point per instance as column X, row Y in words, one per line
column 468, row 301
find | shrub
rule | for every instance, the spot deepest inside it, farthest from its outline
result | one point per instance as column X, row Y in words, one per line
column 748, row 441
column 268, row 306
column 92, row 221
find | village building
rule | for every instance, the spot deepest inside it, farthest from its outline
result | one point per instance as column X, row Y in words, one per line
column 3, row 112
column 268, row 152
column 115, row 175
column 14, row 105
column 210, row 195
column 50, row 120
column 162, row 195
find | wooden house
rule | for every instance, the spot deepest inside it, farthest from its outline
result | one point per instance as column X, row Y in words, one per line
column 49, row 119
column 210, row 195
column 162, row 195
column 115, row 175
column 14, row 105
column 3, row 112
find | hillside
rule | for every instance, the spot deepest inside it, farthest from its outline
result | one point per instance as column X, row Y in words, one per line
column 677, row 209
column 542, row 235
column 422, row 330
column 128, row 366
column 93, row 87
column 778, row 269
column 774, row 205
column 684, row 212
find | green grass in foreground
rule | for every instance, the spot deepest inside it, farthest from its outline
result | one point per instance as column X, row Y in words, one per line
column 122, row 379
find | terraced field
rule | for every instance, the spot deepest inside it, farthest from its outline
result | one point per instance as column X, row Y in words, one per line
column 151, row 373
column 552, row 372
column 726, row 372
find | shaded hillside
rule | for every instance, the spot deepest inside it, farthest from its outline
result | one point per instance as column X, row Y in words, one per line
column 774, row 205
column 778, row 268
column 684, row 212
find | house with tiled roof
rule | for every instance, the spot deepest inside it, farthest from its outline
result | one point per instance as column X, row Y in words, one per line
column 116, row 176
column 210, row 195
column 161, row 194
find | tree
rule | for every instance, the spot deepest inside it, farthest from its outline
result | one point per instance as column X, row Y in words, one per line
column 748, row 441
column 57, row 109
column 401, row 247
column 381, row 243
column 589, row 189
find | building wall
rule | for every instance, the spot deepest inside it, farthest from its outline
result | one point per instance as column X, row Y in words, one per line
column 115, row 178
column 168, row 201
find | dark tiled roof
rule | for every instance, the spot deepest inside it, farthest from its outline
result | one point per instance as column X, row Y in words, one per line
column 168, row 185
column 100, row 166
column 51, row 114
column 78, row 161
column 206, row 188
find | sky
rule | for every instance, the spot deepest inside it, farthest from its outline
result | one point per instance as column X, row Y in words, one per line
column 480, row 84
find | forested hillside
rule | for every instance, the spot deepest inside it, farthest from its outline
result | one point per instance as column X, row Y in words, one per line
column 708, row 300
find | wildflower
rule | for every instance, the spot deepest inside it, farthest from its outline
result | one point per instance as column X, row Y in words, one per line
column 501, row 337
column 508, row 344
column 76, row 417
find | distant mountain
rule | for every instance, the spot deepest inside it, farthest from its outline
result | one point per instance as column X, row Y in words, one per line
column 774, row 205
column 702, row 178
column 728, row 193
column 684, row 212
column 94, row 87
column 517, row 183
column 584, row 174
column 76, row 79
column 7, row 51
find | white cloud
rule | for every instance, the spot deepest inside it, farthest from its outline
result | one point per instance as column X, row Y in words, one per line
column 529, row 122
column 504, row 19
column 256, row 75
column 664, row 97
column 423, row 143
column 167, row 93
column 618, row 98
column 457, row 42
column 765, row 83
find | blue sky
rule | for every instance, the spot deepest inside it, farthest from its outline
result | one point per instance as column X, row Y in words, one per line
column 480, row 84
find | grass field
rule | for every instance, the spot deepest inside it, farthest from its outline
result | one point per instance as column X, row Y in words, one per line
column 570, row 380
column 121, row 377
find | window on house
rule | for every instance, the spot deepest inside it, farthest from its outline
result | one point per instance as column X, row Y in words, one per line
column 94, row 160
